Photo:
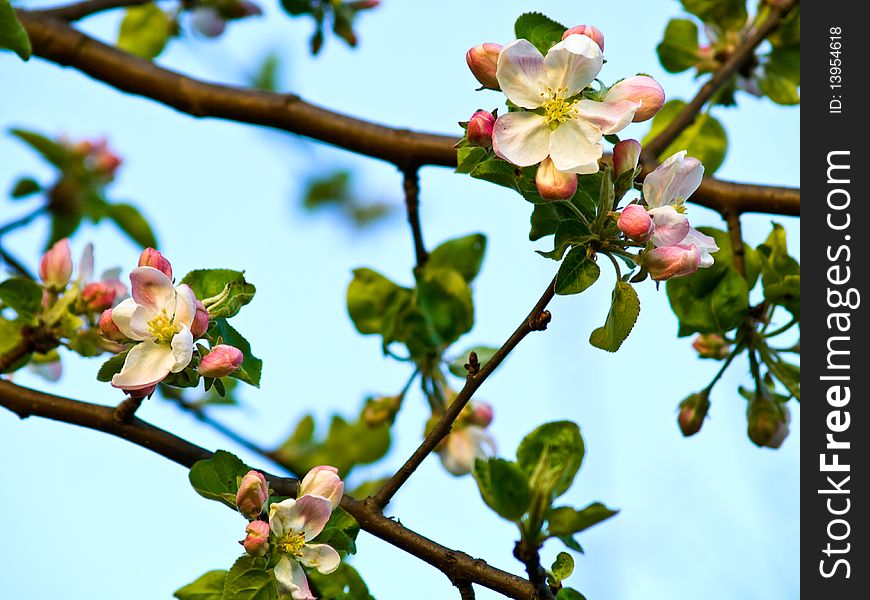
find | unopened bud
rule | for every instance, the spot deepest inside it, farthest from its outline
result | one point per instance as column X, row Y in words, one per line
column 55, row 267
column 764, row 418
column 200, row 321
column 479, row 131
column 252, row 495
column 640, row 88
column 208, row 21
column 98, row 296
column 554, row 184
column 364, row 4
column 693, row 410
column 256, row 542
column 711, row 345
column 152, row 258
column 323, row 481
column 483, row 60
column 626, row 155
column 221, row 361
column 669, row 262
column 481, row 414
column 108, row 328
column 589, row 31
column 635, row 223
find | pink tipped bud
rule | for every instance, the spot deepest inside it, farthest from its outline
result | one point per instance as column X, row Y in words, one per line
column 589, row 31
column 98, row 296
column 763, row 421
column 479, row 132
column 481, row 414
column 256, row 542
column 554, row 184
column 711, row 345
column 55, row 267
column 152, row 258
column 364, row 4
column 200, row 321
column 221, row 361
column 483, row 60
column 693, row 410
column 639, row 88
column 323, row 481
column 252, row 495
column 208, row 21
column 668, row 262
column 626, row 155
column 636, row 223
column 108, row 328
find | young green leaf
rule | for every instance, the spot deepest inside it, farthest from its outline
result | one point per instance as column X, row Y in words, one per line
column 576, row 273
column 678, row 49
column 551, row 455
column 727, row 14
column 145, row 30
column 369, row 296
column 131, row 222
column 566, row 521
column 216, row 478
column 343, row 584
column 12, row 35
column 464, row 255
column 252, row 367
column 111, row 367
column 223, row 291
column 444, row 298
column 24, row 187
column 248, row 579
column 562, row 567
column 570, row 232
column 624, row 309
column 340, row 532
column 543, row 32
column 209, row 586
column 504, row 486
column 50, row 150
column 22, row 295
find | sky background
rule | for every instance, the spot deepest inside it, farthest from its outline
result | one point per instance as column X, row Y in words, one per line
column 88, row 516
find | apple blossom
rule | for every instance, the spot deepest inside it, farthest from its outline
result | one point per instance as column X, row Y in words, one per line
column 159, row 317
column 636, row 223
column 252, row 495
column 482, row 60
column 555, row 123
column 711, row 345
column 640, row 88
column 668, row 262
column 98, row 296
column 200, row 321
column 589, row 31
column 673, row 181
column 323, row 481
column 463, row 446
column 55, row 266
column 552, row 183
column 481, row 413
column 221, row 361
column 152, row 258
column 479, row 131
column 256, row 542
column 626, row 154
column 293, row 524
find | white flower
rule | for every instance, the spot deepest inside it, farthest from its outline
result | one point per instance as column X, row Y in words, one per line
column 159, row 317
column 463, row 446
column 556, row 123
column 293, row 524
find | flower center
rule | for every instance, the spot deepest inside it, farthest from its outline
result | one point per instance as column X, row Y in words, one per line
column 292, row 543
column 557, row 108
column 162, row 328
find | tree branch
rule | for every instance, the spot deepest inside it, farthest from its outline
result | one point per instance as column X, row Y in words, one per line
column 411, row 184
column 80, row 10
column 738, row 253
column 56, row 41
column 458, row 566
column 535, row 321
column 744, row 51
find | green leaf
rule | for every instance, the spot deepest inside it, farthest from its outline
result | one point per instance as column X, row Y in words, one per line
column 50, row 150
column 566, row 521
column 504, row 486
column 208, row 587
column 541, row 31
column 216, row 478
column 340, row 532
column 469, row 157
column 729, row 14
column 781, row 76
column 624, row 309
column 23, row 295
column 569, row 594
column 223, row 291
column 546, row 218
column 12, row 35
column 369, row 296
column 570, row 232
column 249, row 580
column 705, row 139
column 464, row 255
column 10, row 338
column 551, row 455
column 484, row 353
column 571, row 543
column 709, row 302
column 497, row 171
column 24, row 187
column 112, row 367
column 252, row 367
column 562, row 567
column 145, row 30
column 780, row 273
column 444, row 298
column 576, row 273
column 345, row 583
column 678, row 49
column 130, row 221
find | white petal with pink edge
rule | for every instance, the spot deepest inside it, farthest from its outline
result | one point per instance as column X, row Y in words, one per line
column 146, row 364
column 572, row 64
column 521, row 138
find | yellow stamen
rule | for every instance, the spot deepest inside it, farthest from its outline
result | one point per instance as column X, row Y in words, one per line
column 292, row 543
column 162, row 328
column 557, row 108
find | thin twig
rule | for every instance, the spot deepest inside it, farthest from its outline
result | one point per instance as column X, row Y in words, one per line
column 535, row 321
column 80, row 10
column 14, row 264
column 411, row 185
column 466, row 592
column 531, row 559
column 744, row 51
column 738, row 252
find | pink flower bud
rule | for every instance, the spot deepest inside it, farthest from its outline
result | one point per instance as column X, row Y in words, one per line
column 323, row 481
column 208, row 21
column 636, row 223
column 152, row 258
column 55, row 267
column 144, row 392
column 252, row 495
column 554, row 184
column 364, row 4
column 668, row 262
column 200, row 321
column 98, row 296
column 479, row 132
column 711, row 345
column 693, row 410
column 481, row 414
column 482, row 60
column 639, row 88
column 256, row 542
column 589, row 31
column 108, row 328
column 221, row 361
column 763, row 422
column 626, row 155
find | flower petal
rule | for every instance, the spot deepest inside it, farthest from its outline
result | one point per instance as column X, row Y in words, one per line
column 182, row 349
column 185, row 305
column 609, row 117
column 292, row 578
column 464, row 446
column 705, row 244
column 278, row 516
column 123, row 316
column 152, row 288
column 146, row 364
column 575, row 147
column 308, row 515
column 521, row 138
column 520, row 73
column 86, row 264
column 673, row 181
column 671, row 227
column 668, row 262
column 321, row 557
column 572, row 64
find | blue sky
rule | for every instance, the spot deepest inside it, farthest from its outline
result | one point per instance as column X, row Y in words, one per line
column 87, row 516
